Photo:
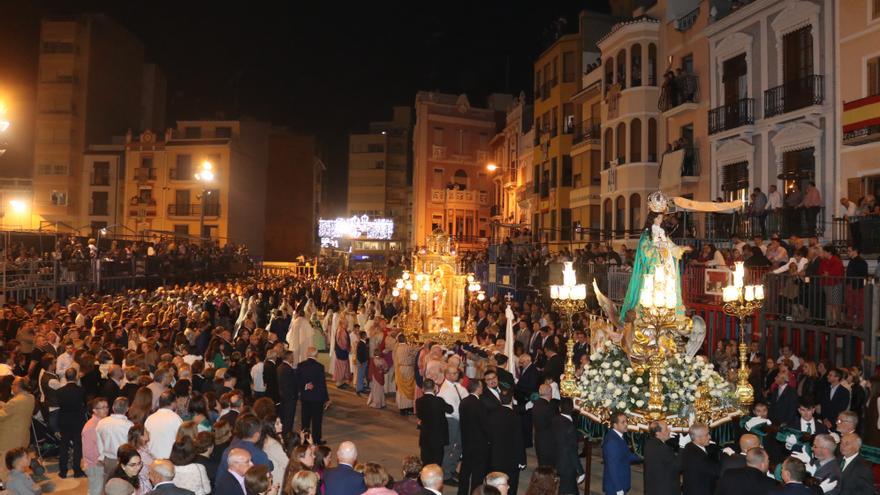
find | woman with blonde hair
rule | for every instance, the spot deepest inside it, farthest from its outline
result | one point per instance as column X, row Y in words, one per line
column 302, row 483
column 376, row 479
column 808, row 380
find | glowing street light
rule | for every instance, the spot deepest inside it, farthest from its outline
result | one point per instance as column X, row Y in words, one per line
column 205, row 175
column 491, row 167
column 18, row 206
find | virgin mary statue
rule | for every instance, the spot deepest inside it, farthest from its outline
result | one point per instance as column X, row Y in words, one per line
column 655, row 255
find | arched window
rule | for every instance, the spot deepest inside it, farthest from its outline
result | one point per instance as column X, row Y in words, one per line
column 621, row 68
column 652, row 140
column 621, row 143
column 635, row 140
column 635, row 70
column 460, row 179
column 606, row 218
column 635, row 212
column 609, row 150
column 652, row 64
column 620, row 215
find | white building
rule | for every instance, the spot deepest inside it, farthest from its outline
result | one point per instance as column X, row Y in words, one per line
column 772, row 90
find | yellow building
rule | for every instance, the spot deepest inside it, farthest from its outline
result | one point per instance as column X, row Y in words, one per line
column 858, row 21
column 586, row 155
column 162, row 195
column 557, row 77
column 511, row 151
column 92, row 85
column 377, row 168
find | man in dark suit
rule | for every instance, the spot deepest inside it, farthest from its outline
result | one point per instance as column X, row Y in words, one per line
column 700, row 469
column 162, row 478
column 806, row 420
column 565, row 439
column 736, row 460
column 752, row 476
column 793, row 475
column 431, row 477
column 616, row 456
column 835, row 400
column 71, row 418
column 343, row 479
column 433, row 427
column 288, row 389
column 543, row 412
column 525, row 387
column 555, row 362
column 474, row 423
column 662, row 465
column 491, row 392
column 270, row 376
column 855, row 472
column 110, row 389
column 238, row 461
column 783, row 402
column 313, row 391
column 505, row 378
column 505, row 437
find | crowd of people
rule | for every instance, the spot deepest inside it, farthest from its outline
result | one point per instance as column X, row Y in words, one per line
column 200, row 387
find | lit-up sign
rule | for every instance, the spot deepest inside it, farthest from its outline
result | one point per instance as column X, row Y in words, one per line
column 331, row 231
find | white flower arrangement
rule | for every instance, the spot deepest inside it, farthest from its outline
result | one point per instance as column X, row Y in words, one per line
column 610, row 380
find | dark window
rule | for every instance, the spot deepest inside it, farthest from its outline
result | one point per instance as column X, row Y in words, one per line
column 99, row 202
column 183, row 168
column 608, row 147
column 652, row 64
column 595, row 168
column 223, row 132
column 621, row 68
column 565, row 224
column 687, row 64
column 874, row 76
column 147, row 162
column 735, row 181
column 566, row 171
column 607, row 216
column 182, row 230
column 553, row 173
column 101, row 174
column 620, row 215
column 652, row 140
column 798, row 167
column 536, row 179
column 621, row 143
column 635, row 138
column 797, row 54
column 568, row 67
column 636, row 65
column 192, row 132
column 734, row 79
column 375, row 148
column 552, row 226
column 635, row 211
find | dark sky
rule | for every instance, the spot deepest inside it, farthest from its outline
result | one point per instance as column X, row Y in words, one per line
column 327, row 69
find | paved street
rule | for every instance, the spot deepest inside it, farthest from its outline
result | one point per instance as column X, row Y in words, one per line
column 382, row 436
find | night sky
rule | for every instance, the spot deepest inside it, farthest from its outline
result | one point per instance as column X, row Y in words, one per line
column 326, row 69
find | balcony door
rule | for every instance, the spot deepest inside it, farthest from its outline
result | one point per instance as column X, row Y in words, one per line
column 797, row 66
column 181, row 201
column 736, row 88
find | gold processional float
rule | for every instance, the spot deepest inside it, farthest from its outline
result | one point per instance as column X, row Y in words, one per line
column 643, row 357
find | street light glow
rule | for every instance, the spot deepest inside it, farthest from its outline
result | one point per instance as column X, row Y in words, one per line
column 18, row 206
column 491, row 167
column 206, row 174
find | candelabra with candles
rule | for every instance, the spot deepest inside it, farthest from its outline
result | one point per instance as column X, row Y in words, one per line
column 568, row 299
column 742, row 300
column 656, row 327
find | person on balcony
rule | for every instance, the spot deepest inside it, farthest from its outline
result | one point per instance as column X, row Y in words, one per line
column 831, row 270
column 792, row 209
column 851, row 217
column 758, row 210
column 856, row 273
column 754, row 258
column 812, row 204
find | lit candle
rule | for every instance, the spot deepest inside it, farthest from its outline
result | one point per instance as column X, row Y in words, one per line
column 579, row 292
column 671, row 300
column 648, row 286
column 554, row 292
column 645, row 299
column 739, row 274
column 659, row 299
column 759, row 292
column 564, row 292
column 750, row 293
column 568, row 276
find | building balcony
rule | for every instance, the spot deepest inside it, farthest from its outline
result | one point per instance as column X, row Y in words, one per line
column 193, row 210
column 680, row 166
column 180, row 174
column 794, row 95
column 495, row 211
column 861, row 121
column 461, row 196
column 438, row 152
column 142, row 209
column 582, row 196
column 98, row 209
column 524, row 193
column 688, row 20
column 731, row 116
column 99, row 179
column 145, row 174
column 679, row 95
column 587, row 131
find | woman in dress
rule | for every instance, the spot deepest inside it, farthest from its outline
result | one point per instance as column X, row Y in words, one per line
column 188, row 474
column 342, row 348
column 377, row 371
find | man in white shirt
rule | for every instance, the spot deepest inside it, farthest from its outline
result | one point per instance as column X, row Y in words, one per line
column 774, row 199
column 162, row 426
column 452, row 392
column 161, row 381
column 788, row 354
column 257, row 383
column 431, row 477
column 65, row 360
column 110, row 433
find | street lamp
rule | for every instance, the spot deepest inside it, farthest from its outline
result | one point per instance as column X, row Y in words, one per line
column 568, row 298
column 4, row 125
column 742, row 300
column 18, row 206
column 491, row 167
column 205, row 175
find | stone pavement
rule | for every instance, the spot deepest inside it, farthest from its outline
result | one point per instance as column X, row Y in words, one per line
column 381, row 435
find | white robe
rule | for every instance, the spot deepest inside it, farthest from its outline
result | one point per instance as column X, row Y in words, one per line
column 334, row 324
column 300, row 337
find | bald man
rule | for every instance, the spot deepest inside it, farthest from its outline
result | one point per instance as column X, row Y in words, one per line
column 431, row 477
column 700, row 468
column 543, row 411
column 855, row 472
column 662, row 465
column 162, row 477
column 313, row 393
column 231, row 481
column 343, row 479
column 733, row 460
